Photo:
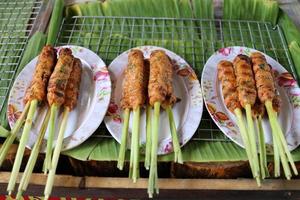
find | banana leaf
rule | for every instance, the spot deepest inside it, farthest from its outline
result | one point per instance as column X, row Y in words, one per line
column 258, row 10
column 294, row 48
column 292, row 36
column 56, row 19
column 144, row 8
column 290, row 30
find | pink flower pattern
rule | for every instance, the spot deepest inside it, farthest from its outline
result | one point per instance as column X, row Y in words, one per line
column 225, row 51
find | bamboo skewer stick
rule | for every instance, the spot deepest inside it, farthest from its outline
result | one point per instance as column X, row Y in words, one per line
column 148, row 137
column 153, row 176
column 33, row 157
column 10, row 139
column 21, row 148
column 123, row 139
column 176, row 145
column 56, row 153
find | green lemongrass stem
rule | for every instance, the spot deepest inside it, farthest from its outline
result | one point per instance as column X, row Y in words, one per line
column 243, row 131
column 21, row 148
column 122, row 151
column 252, row 139
column 262, row 149
column 283, row 141
column 176, row 145
column 276, row 157
column 283, row 149
column 148, row 137
column 4, row 132
column 283, row 159
column 153, row 177
column 53, row 114
column 56, row 153
column 33, row 157
column 275, row 142
column 131, row 157
column 136, row 143
column 10, row 139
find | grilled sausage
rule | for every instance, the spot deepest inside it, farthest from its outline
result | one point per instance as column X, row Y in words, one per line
column 229, row 87
column 245, row 80
column 73, row 85
column 160, row 88
column 44, row 67
column 263, row 77
column 59, row 78
column 134, row 84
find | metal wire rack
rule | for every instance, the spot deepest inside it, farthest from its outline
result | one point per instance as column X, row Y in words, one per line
column 16, row 22
column 193, row 39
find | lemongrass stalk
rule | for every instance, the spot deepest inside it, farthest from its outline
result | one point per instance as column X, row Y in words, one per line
column 33, row 158
column 21, row 148
column 10, row 139
column 262, row 149
column 53, row 114
column 136, row 143
column 276, row 157
column 56, row 153
column 4, row 132
column 283, row 140
column 252, row 139
column 283, row 158
column 148, row 137
column 245, row 139
column 275, row 143
column 131, row 157
column 153, row 177
column 122, row 151
column 176, row 145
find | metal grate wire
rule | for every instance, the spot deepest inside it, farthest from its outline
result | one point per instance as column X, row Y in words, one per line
column 193, row 39
column 16, row 22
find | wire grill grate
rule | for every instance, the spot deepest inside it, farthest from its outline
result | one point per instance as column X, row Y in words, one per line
column 16, row 21
column 193, row 39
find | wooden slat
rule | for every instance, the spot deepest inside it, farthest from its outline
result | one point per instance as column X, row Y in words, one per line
column 176, row 184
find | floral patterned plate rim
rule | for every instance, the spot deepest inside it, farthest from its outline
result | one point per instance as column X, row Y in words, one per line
column 287, row 86
column 93, row 100
column 187, row 112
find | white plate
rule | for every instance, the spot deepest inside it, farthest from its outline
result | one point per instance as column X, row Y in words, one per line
column 187, row 112
column 289, row 116
column 93, row 100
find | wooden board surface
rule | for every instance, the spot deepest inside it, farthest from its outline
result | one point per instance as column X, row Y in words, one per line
column 164, row 183
column 172, row 188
